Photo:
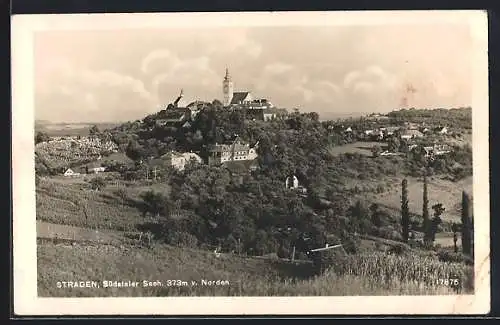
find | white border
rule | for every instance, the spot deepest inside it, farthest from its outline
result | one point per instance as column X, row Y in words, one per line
column 26, row 301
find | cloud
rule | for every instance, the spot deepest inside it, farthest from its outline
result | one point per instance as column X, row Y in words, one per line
column 294, row 86
column 171, row 74
column 276, row 68
column 344, row 68
column 235, row 41
column 90, row 95
column 370, row 78
column 162, row 57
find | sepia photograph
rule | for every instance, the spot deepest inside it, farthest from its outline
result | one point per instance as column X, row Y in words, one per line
column 252, row 163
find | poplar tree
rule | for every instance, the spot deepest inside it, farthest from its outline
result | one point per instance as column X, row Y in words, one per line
column 466, row 224
column 405, row 214
column 425, row 212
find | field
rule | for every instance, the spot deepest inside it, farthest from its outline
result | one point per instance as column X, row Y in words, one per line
column 440, row 191
column 361, row 275
column 46, row 230
column 70, row 201
column 360, row 147
column 93, row 252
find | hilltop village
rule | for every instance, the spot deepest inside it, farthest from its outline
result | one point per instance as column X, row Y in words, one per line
column 244, row 180
column 62, row 154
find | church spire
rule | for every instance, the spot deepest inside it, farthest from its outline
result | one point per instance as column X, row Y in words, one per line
column 227, row 77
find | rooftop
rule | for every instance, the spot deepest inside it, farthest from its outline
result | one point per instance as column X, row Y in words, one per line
column 238, row 96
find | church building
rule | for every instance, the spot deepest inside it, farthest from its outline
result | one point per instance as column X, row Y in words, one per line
column 243, row 99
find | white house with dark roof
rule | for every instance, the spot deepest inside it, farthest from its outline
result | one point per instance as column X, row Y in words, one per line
column 70, row 173
column 235, row 151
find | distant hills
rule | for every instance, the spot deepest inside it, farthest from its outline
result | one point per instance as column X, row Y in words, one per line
column 55, row 129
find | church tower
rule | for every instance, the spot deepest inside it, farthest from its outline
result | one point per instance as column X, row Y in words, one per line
column 227, row 90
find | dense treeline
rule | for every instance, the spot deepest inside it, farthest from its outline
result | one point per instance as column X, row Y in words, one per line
column 251, row 212
column 456, row 117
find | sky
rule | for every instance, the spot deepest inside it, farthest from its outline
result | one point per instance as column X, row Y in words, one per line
column 117, row 75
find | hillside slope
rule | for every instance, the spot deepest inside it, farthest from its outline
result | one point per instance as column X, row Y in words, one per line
column 239, row 275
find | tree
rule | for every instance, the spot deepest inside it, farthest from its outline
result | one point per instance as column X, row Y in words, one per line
column 97, row 183
column 154, row 203
column 393, row 144
column 403, row 146
column 455, row 228
column 467, row 230
column 376, row 151
column 425, row 212
column 375, row 214
column 357, row 213
column 436, row 220
column 41, row 137
column 94, row 131
column 134, row 151
column 405, row 213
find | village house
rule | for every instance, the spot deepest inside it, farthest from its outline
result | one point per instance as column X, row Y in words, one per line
column 265, row 114
column 374, row 134
column 94, row 168
column 442, row 130
column 390, row 130
column 70, row 173
column 425, row 130
column 236, row 151
column 411, row 126
column 176, row 117
column 432, row 151
column 411, row 134
column 179, row 160
column 179, row 116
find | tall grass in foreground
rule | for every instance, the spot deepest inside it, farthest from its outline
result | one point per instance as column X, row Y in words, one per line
column 422, row 270
column 366, row 274
column 370, row 274
column 327, row 285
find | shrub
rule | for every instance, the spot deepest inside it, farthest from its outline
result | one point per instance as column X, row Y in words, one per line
column 399, row 249
column 182, row 239
column 452, row 257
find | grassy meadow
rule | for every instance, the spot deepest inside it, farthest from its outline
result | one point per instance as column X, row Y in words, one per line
column 374, row 274
column 441, row 191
